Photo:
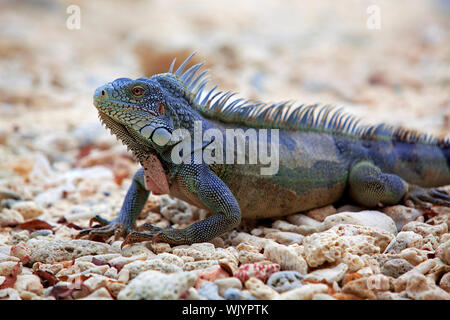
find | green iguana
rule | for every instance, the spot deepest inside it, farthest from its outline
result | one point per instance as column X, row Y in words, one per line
column 323, row 154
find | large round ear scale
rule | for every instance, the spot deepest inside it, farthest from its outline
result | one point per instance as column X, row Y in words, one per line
column 161, row 136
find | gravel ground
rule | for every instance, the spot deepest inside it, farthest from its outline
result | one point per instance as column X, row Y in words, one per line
column 67, row 168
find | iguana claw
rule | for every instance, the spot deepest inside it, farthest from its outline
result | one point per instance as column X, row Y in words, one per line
column 138, row 236
column 105, row 230
column 99, row 219
column 426, row 197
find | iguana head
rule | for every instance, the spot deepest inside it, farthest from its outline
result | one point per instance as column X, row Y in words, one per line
column 139, row 106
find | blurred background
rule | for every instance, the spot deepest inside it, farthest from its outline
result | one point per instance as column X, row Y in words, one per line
column 385, row 61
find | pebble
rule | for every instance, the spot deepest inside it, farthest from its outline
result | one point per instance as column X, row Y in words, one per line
column 329, row 275
column 258, row 242
column 322, row 296
column 320, row 214
column 261, row 271
column 278, row 225
column 133, row 250
column 379, row 282
column 414, row 256
column 419, row 287
column 425, row 229
column 40, row 233
column 421, row 269
column 306, row 225
column 236, row 294
column 286, row 257
column 28, row 209
column 396, row 267
column 60, row 250
column 443, row 252
column 198, row 251
column 285, row 280
column 305, row 292
column 136, row 267
column 259, row 290
column 402, row 215
column 225, row 283
column 7, row 268
column 31, row 283
column 9, row 294
column 50, row 197
column 284, row 237
column 200, row 265
column 155, row 285
column 210, row 291
column 175, row 210
column 248, row 253
column 359, row 288
column 100, row 294
column 22, row 252
column 211, row 275
column 10, row 216
column 445, row 282
column 344, row 239
column 366, row 218
column 403, row 240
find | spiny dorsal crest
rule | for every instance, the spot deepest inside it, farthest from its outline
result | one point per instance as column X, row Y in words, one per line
column 286, row 115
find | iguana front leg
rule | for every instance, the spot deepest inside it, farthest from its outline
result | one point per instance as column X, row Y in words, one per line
column 369, row 186
column 134, row 201
column 212, row 191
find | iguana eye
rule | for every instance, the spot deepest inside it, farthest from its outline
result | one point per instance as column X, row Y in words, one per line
column 137, row 91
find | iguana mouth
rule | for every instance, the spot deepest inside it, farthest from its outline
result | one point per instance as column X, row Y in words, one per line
column 102, row 104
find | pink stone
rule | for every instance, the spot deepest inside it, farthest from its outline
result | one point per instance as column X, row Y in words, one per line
column 258, row 270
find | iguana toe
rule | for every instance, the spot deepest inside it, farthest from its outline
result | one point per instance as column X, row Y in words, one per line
column 137, row 236
column 426, row 197
column 105, row 231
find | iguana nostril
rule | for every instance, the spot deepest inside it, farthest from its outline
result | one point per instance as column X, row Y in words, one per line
column 101, row 92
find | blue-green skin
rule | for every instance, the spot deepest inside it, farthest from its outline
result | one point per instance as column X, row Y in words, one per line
column 316, row 167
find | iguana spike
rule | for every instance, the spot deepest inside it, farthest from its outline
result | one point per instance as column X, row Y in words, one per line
column 232, row 105
column 194, row 82
column 304, row 118
column 172, row 65
column 279, row 111
column 288, row 112
column 218, row 103
column 200, row 89
column 206, row 99
column 285, row 114
column 212, row 106
column 355, row 126
column 347, row 118
column 224, row 102
column 187, row 76
column 332, row 123
column 350, row 124
column 183, row 65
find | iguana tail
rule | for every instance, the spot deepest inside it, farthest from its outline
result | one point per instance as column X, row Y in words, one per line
column 423, row 163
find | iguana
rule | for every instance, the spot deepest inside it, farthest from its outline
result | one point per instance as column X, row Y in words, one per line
column 324, row 154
